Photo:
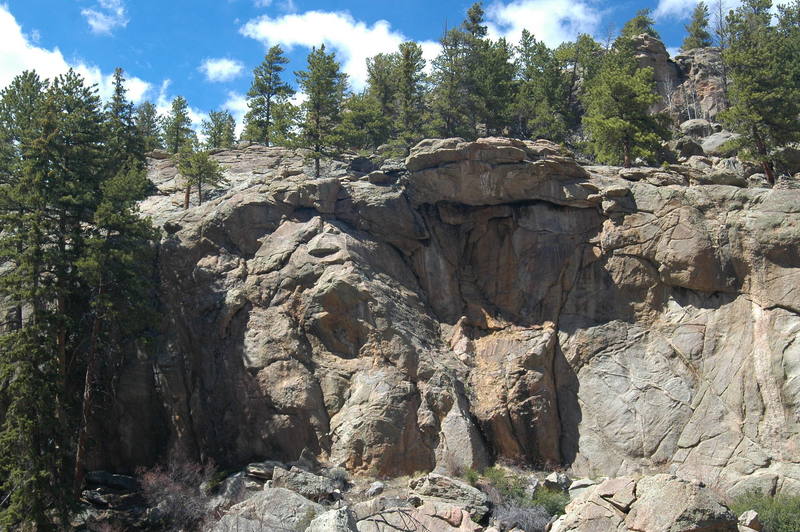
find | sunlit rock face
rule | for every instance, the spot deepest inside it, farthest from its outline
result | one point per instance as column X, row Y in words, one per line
column 485, row 300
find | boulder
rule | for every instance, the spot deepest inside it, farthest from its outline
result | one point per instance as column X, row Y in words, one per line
column 340, row 520
column 579, row 486
column 278, row 508
column 715, row 144
column 439, row 488
column 660, row 503
column 686, row 147
column 667, row 504
column 263, row 470
column 308, row 485
column 750, row 521
column 696, row 127
column 557, row 481
column 375, row 489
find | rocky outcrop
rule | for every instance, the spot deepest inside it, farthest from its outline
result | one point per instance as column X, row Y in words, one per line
column 701, row 94
column 661, row 503
column 494, row 300
column 667, row 75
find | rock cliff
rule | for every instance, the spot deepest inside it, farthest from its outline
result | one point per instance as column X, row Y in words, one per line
column 482, row 300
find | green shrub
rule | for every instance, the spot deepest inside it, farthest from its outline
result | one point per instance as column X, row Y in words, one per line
column 551, row 500
column 510, row 486
column 471, row 476
column 779, row 513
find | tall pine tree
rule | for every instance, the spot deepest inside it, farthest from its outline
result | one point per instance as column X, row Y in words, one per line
column 177, row 126
column 148, row 124
column 267, row 91
column 219, row 129
column 765, row 80
column 324, row 85
column 697, row 35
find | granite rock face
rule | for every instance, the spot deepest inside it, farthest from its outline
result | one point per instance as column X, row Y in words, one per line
column 493, row 300
column 659, row 503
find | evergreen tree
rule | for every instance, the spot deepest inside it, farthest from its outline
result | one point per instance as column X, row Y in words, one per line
column 697, row 35
column 382, row 81
column 284, row 118
column 324, row 85
column 219, row 129
column 473, row 80
column 122, row 139
column 581, row 60
column 56, row 181
column 765, row 79
column 450, row 94
column 198, row 168
column 177, row 126
column 641, row 23
column 618, row 120
column 542, row 102
column 266, row 91
column 363, row 123
column 148, row 124
column 410, row 93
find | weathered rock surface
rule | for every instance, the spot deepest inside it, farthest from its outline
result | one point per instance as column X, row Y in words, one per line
column 661, row 503
column 701, row 91
column 496, row 301
column 438, row 488
column 271, row 509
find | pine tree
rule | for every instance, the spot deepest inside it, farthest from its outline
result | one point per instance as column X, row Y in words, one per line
column 382, row 81
column 541, row 106
column 697, row 35
column 324, row 85
column 641, row 23
column 765, row 79
column 618, row 120
column 219, row 129
column 411, row 90
column 266, row 91
column 55, row 184
column 450, row 92
column 581, row 60
column 177, row 126
column 363, row 124
column 122, row 137
column 198, row 168
column 148, row 125
column 285, row 116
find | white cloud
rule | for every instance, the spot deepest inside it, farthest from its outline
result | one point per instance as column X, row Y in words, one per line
column 354, row 41
column 262, row 3
column 221, row 69
column 18, row 53
column 551, row 21
column 682, row 9
column 107, row 15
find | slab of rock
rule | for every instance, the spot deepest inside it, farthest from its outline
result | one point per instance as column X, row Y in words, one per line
column 432, row 515
column 310, row 486
column 436, row 487
column 493, row 171
column 340, row 520
column 580, row 486
column 696, row 127
column 278, row 508
column 750, row 521
column 263, row 470
column 557, row 481
column 667, row 504
column 713, row 144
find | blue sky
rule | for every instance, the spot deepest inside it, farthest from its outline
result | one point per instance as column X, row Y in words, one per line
column 205, row 50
